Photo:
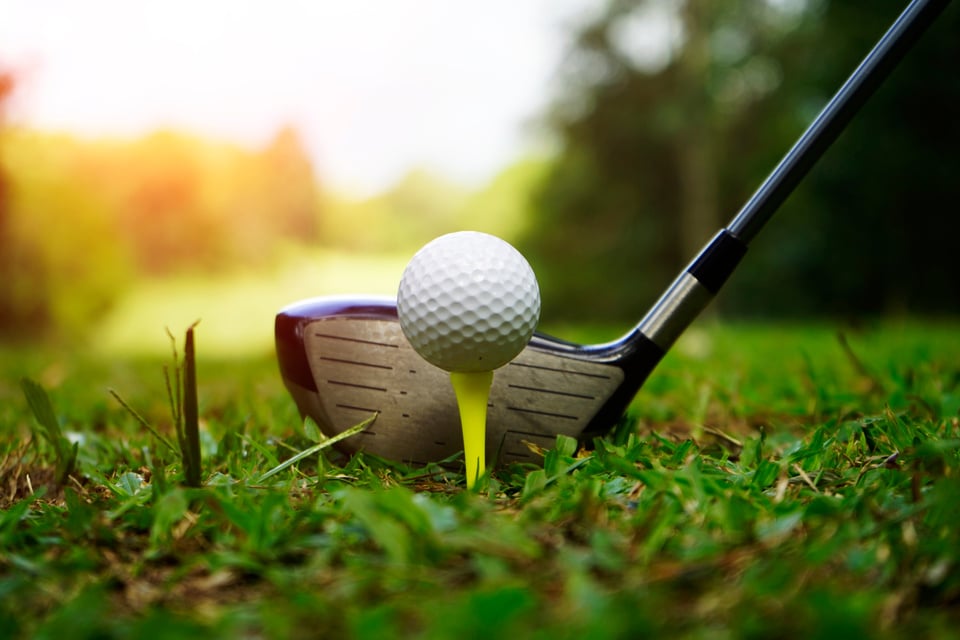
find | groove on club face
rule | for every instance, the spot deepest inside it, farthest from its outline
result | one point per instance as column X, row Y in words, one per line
column 345, row 359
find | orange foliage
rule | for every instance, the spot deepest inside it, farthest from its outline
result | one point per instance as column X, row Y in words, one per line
column 80, row 220
column 181, row 202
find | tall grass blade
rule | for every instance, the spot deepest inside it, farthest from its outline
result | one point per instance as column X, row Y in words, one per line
column 143, row 421
column 42, row 408
column 190, row 412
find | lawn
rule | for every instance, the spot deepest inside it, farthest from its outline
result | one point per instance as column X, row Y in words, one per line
column 770, row 480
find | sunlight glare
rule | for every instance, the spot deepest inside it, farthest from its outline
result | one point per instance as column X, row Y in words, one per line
column 374, row 87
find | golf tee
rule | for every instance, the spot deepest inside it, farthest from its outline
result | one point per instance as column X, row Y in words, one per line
column 472, row 391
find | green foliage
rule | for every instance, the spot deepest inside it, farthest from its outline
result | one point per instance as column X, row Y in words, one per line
column 80, row 221
column 504, row 208
column 423, row 205
column 179, row 202
column 62, row 264
column 420, row 206
column 863, row 234
column 85, row 224
column 658, row 153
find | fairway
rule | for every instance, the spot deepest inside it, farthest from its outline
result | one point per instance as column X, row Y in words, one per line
column 771, row 480
column 237, row 310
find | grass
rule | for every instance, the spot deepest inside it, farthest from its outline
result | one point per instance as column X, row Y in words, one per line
column 237, row 308
column 769, row 481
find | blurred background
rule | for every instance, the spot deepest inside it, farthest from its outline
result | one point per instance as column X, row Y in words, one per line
column 163, row 162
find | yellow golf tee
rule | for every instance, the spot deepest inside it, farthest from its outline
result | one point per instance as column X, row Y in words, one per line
column 473, row 391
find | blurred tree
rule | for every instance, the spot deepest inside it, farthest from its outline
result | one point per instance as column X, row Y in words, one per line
column 188, row 203
column 6, row 90
column 503, row 206
column 672, row 112
column 423, row 205
column 185, row 203
column 873, row 228
column 262, row 200
column 289, row 178
column 62, row 265
column 159, row 183
column 84, row 219
column 420, row 206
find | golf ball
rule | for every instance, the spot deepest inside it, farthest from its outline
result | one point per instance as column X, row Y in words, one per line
column 468, row 302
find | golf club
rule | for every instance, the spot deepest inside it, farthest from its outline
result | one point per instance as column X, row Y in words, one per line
column 344, row 359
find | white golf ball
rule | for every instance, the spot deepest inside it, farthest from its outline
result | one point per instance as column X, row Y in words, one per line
column 468, row 302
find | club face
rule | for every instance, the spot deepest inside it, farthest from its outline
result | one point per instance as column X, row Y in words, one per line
column 345, row 359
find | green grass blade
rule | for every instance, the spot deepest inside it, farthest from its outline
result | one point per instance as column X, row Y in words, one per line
column 317, row 448
column 140, row 419
column 42, row 408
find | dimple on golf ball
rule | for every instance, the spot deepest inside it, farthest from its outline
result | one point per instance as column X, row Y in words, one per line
column 468, row 302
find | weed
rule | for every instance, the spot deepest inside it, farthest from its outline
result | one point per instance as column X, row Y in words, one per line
column 181, row 385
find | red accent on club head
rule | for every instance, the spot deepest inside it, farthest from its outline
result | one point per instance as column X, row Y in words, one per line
column 291, row 320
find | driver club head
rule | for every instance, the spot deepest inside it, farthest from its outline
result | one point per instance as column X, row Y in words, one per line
column 345, row 359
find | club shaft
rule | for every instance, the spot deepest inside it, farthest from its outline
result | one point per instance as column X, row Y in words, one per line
column 834, row 117
column 696, row 285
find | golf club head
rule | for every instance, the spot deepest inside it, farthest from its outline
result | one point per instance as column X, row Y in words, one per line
column 345, row 359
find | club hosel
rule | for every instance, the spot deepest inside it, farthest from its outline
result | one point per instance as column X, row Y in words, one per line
column 693, row 290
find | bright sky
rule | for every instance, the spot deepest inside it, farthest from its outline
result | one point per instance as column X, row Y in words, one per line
column 375, row 86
